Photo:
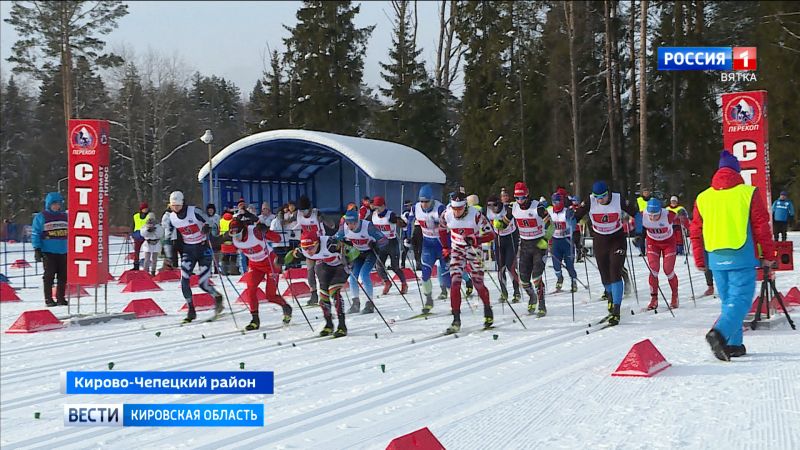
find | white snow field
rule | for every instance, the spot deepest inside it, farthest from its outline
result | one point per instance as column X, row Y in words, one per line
column 547, row 386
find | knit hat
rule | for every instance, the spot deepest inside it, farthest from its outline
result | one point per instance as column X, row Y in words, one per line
column 654, row 206
column 425, row 193
column 351, row 216
column 473, row 200
column 784, row 193
column 729, row 161
column 235, row 227
column 520, row 189
column 227, row 216
column 378, row 201
column 143, row 205
column 599, row 188
column 304, row 202
column 673, row 199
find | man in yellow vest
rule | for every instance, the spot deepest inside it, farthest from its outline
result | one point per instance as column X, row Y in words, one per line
column 139, row 220
column 682, row 222
column 731, row 225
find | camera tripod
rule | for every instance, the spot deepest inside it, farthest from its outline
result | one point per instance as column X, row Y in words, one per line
column 768, row 292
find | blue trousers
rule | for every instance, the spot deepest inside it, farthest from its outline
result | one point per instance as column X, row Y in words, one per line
column 562, row 252
column 735, row 289
column 362, row 266
column 431, row 253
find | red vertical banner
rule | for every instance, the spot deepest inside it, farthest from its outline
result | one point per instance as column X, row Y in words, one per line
column 87, row 259
column 745, row 134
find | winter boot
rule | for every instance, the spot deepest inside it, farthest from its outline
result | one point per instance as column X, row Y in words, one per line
column 653, row 302
column 403, row 287
column 443, row 295
column 369, row 308
column 613, row 318
column 314, row 300
column 455, row 327
column 735, row 351
column 327, row 330
column 717, row 343
column 255, row 323
column 218, row 307
column 488, row 317
column 709, row 291
column 191, row 315
column 341, row 330
column 428, row 304
column 674, row 303
column 287, row 314
column 355, row 307
column 559, row 283
column 50, row 303
column 386, row 286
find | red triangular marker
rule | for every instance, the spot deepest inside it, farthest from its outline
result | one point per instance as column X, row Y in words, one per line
column 144, row 307
column 7, row 293
column 141, row 285
column 299, row 288
column 20, row 263
column 643, row 360
column 244, row 297
column 130, row 274
column 421, row 439
column 297, row 272
column 410, row 275
column 201, row 302
column 754, row 306
column 168, row 275
column 194, row 281
column 792, row 297
column 33, row 321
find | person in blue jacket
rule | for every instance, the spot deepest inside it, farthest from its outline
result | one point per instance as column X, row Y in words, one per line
column 782, row 215
column 49, row 239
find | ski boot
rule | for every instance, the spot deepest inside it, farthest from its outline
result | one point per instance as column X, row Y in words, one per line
column 488, row 317
column 386, row 286
column 613, row 318
column 355, row 307
column 674, row 303
column 314, row 300
column 542, row 309
column 610, row 303
column 428, row 304
column 287, row 314
column 709, row 291
column 255, row 323
column 469, row 291
column 516, row 297
column 653, row 302
column 531, row 307
column 191, row 315
column 717, row 343
column 455, row 327
column 443, row 295
column 503, row 297
column 327, row 330
column 50, row 303
column 341, row 330
column 403, row 287
column 574, row 287
column 735, row 351
column 369, row 308
column 559, row 284
column 218, row 307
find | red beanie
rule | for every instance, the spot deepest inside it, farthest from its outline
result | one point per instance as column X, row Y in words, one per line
column 143, row 205
column 378, row 201
column 520, row 189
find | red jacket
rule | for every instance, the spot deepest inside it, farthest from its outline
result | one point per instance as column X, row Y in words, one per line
column 726, row 178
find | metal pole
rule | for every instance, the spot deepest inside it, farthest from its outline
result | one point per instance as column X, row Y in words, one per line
column 24, row 276
column 210, row 176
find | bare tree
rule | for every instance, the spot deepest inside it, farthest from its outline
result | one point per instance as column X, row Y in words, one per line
column 569, row 11
column 643, row 169
column 677, row 27
column 450, row 50
column 612, row 125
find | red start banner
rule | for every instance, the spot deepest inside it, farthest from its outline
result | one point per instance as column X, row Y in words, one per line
column 87, row 259
column 744, row 133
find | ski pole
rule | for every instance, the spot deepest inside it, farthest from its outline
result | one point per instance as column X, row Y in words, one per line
column 688, row 269
column 416, row 277
column 289, row 284
column 221, row 281
column 355, row 277
column 633, row 271
column 480, row 263
column 659, row 287
column 383, row 266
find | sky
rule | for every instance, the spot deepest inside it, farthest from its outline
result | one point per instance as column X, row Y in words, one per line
column 229, row 39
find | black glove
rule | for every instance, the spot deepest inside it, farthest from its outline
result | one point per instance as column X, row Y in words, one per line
column 37, row 254
column 206, row 228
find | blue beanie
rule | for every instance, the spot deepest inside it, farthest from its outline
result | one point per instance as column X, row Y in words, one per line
column 426, row 192
column 351, row 216
column 729, row 161
column 654, row 206
column 599, row 188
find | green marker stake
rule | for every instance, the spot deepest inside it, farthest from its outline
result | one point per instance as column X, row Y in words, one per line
column 158, row 334
column 383, row 368
column 241, row 365
column 111, row 365
column 494, row 336
column 37, row 415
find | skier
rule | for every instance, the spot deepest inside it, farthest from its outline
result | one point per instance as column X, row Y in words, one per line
column 310, row 219
column 387, row 222
column 254, row 241
column 499, row 215
column 531, row 218
column 605, row 210
column 563, row 220
column 681, row 223
column 193, row 228
column 151, row 232
column 330, row 269
column 658, row 224
column 462, row 230
column 365, row 237
column 730, row 222
column 426, row 213
column 49, row 240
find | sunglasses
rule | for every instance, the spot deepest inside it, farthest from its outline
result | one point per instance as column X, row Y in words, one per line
column 603, row 195
column 522, row 198
column 491, row 205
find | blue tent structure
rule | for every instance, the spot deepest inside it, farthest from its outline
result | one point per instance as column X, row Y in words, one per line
column 333, row 170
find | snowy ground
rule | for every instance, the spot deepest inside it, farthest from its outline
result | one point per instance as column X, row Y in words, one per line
column 545, row 387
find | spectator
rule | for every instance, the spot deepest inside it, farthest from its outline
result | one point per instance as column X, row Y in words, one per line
column 49, row 239
column 168, row 242
column 782, row 215
column 365, row 212
column 266, row 217
column 214, row 235
column 151, row 232
column 138, row 222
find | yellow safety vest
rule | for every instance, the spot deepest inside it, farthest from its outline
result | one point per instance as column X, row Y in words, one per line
column 726, row 215
column 677, row 209
column 224, row 225
column 642, row 204
column 138, row 221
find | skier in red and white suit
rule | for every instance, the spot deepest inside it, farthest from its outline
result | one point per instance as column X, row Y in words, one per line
column 253, row 241
column 658, row 222
column 468, row 229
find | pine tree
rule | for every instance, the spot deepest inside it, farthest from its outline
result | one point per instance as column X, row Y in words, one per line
column 17, row 185
column 326, row 55
column 268, row 103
